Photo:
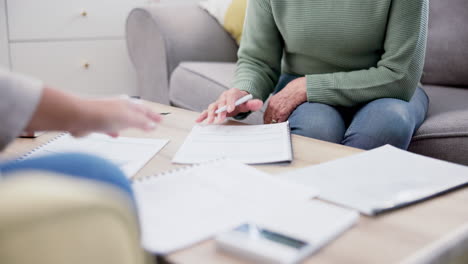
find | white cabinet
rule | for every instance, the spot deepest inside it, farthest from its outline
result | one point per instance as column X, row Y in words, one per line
column 68, row 19
column 86, row 67
column 73, row 45
column 77, row 46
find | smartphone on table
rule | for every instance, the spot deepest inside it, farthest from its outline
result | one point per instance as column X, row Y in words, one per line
column 261, row 245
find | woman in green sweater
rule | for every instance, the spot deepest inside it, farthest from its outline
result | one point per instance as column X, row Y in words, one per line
column 344, row 71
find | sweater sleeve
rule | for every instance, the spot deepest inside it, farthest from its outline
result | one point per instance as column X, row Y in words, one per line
column 398, row 72
column 19, row 97
column 260, row 52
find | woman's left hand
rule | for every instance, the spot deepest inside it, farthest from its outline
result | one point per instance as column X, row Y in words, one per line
column 282, row 104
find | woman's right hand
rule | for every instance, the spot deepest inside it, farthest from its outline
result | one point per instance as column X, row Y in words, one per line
column 229, row 98
column 61, row 111
column 112, row 115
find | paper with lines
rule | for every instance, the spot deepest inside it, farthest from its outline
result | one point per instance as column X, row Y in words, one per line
column 129, row 154
column 182, row 207
column 248, row 144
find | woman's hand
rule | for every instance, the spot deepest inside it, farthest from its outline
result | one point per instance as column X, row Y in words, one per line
column 229, row 98
column 61, row 111
column 282, row 104
column 110, row 116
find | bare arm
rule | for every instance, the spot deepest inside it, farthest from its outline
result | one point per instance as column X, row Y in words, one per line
column 25, row 104
column 62, row 111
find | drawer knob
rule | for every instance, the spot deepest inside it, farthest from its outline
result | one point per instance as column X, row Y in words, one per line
column 86, row 65
column 83, row 13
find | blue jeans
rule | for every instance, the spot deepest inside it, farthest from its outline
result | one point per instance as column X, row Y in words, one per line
column 74, row 165
column 377, row 123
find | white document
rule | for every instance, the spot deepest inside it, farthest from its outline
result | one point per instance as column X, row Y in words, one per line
column 381, row 179
column 129, row 154
column 247, row 144
column 181, row 208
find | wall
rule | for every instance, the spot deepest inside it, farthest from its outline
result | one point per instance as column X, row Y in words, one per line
column 4, row 57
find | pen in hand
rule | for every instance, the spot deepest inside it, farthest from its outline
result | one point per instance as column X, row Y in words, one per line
column 238, row 102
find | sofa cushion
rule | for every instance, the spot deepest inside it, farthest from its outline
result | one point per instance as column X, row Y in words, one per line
column 444, row 134
column 229, row 13
column 447, row 47
column 195, row 85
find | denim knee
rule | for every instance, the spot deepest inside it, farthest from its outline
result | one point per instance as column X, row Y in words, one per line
column 317, row 121
column 385, row 121
column 75, row 165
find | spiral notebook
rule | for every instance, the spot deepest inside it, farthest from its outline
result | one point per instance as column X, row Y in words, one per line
column 254, row 144
column 129, row 154
column 185, row 206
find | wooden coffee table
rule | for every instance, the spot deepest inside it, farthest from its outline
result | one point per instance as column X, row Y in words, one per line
column 389, row 238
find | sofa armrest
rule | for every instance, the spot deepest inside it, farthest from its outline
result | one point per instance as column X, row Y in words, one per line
column 49, row 218
column 159, row 37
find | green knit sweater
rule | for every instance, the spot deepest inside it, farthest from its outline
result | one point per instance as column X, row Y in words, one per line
column 351, row 51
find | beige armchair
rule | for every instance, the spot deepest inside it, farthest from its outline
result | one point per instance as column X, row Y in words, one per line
column 52, row 219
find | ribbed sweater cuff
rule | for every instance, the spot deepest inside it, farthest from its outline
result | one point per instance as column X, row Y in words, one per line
column 320, row 88
column 251, row 88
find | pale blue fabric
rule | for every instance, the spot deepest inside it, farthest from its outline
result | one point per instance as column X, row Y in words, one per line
column 74, row 165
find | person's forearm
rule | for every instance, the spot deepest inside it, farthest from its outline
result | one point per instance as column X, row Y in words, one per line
column 61, row 111
column 260, row 52
column 58, row 111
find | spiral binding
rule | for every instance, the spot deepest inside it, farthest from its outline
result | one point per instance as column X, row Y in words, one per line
column 175, row 171
column 26, row 155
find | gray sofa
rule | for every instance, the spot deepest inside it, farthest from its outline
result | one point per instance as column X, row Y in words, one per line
column 184, row 57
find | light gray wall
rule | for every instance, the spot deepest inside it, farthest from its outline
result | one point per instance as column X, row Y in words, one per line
column 178, row 1
column 4, row 57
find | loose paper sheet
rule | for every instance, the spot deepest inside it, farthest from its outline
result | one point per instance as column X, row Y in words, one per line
column 247, row 144
column 184, row 207
column 129, row 154
column 380, row 179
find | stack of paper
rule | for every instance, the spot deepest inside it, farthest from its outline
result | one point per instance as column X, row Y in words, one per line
column 183, row 207
column 381, row 179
